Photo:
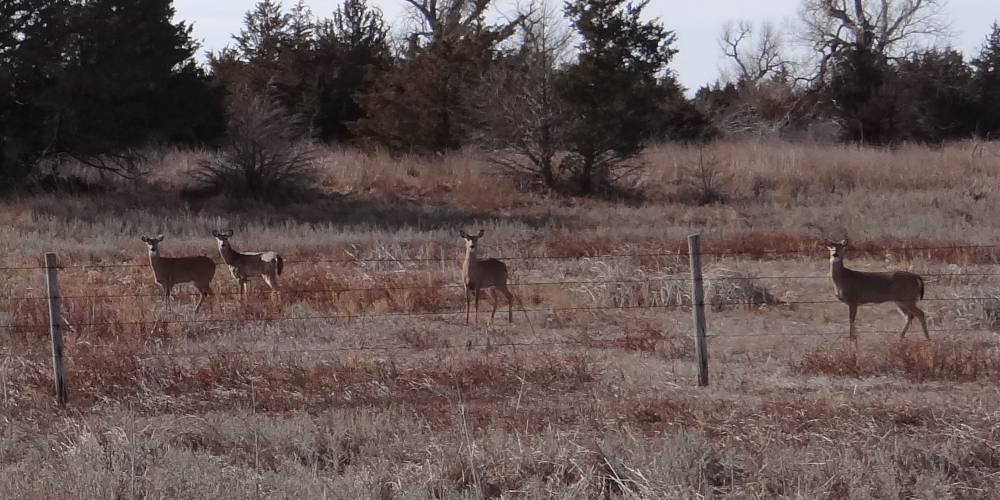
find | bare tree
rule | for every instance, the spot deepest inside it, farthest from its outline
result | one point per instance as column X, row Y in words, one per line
column 891, row 29
column 447, row 19
column 517, row 104
column 754, row 53
column 761, row 91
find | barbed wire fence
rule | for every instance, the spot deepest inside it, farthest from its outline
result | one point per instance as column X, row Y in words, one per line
column 693, row 301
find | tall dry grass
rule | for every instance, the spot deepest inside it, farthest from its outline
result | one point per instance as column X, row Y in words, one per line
column 589, row 403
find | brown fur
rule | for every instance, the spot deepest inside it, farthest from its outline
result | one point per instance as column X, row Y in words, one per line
column 170, row 271
column 243, row 266
column 856, row 287
column 480, row 274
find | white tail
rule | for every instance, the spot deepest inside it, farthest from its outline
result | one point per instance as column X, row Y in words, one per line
column 479, row 274
column 170, row 271
column 243, row 266
column 855, row 288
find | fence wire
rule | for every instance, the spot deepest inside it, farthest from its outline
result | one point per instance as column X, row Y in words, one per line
column 549, row 310
column 679, row 252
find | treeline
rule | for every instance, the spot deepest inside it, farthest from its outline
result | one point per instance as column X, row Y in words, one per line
column 566, row 96
column 872, row 86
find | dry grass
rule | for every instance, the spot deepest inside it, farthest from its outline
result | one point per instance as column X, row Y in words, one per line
column 945, row 359
column 366, row 387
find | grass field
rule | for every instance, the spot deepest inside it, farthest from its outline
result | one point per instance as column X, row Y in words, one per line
column 361, row 379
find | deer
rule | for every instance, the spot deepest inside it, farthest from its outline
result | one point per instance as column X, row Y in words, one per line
column 170, row 271
column 243, row 266
column 481, row 274
column 856, row 287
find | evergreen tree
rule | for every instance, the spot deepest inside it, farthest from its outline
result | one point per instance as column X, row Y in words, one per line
column 422, row 103
column 120, row 95
column 986, row 85
column 615, row 92
column 264, row 35
column 95, row 79
column 855, row 89
column 352, row 53
column 254, row 61
column 312, row 68
column 32, row 34
column 932, row 97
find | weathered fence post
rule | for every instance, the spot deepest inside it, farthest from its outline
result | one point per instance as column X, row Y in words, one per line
column 55, row 326
column 698, row 309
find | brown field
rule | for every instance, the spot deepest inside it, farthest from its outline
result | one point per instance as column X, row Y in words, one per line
column 360, row 380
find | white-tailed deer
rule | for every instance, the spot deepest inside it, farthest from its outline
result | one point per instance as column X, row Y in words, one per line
column 243, row 266
column 855, row 288
column 170, row 271
column 479, row 274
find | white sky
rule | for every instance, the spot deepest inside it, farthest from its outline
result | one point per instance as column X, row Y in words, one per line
column 697, row 24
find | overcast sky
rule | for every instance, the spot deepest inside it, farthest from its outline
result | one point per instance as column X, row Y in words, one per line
column 697, row 24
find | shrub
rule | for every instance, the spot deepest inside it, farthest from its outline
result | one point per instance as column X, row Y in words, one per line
column 702, row 184
column 981, row 308
column 729, row 288
column 265, row 156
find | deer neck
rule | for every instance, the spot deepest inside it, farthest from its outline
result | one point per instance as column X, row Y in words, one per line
column 228, row 254
column 155, row 262
column 837, row 270
column 469, row 263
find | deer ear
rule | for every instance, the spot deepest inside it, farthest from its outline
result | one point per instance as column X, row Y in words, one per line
column 481, row 233
column 159, row 237
column 144, row 239
column 461, row 232
column 228, row 233
column 843, row 242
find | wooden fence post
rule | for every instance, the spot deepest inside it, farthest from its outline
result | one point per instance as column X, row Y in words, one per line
column 698, row 308
column 55, row 326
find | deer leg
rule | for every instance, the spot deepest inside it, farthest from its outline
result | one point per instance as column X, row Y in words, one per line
column 272, row 281
column 205, row 292
column 853, row 313
column 510, row 303
column 477, row 306
column 493, row 295
column 468, row 304
column 201, row 299
column 209, row 295
column 923, row 320
column 907, row 310
column 166, row 296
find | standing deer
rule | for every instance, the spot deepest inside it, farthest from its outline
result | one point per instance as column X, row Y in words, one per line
column 243, row 266
column 479, row 274
column 855, row 288
column 169, row 271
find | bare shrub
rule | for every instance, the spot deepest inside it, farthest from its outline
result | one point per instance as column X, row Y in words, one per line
column 702, row 184
column 729, row 288
column 981, row 309
column 265, row 157
column 625, row 286
column 517, row 104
